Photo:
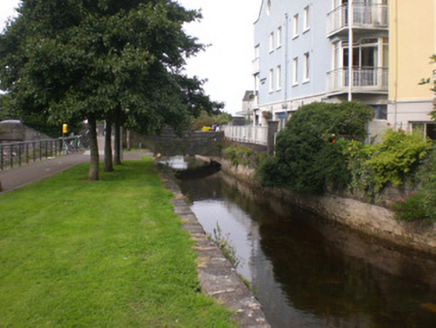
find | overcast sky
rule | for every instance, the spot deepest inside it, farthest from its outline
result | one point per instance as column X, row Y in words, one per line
column 227, row 25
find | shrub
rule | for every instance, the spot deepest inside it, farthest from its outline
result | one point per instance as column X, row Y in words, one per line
column 238, row 154
column 361, row 176
column 427, row 176
column 422, row 204
column 409, row 209
column 307, row 160
column 399, row 154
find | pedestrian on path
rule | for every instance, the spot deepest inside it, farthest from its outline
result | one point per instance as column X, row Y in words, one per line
column 1, row 188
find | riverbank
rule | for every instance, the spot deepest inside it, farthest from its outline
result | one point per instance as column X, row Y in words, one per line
column 369, row 219
column 99, row 254
column 218, row 278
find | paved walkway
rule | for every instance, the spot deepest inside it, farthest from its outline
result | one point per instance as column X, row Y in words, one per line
column 19, row 177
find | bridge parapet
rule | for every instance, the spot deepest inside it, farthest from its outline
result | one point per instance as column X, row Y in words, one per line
column 170, row 144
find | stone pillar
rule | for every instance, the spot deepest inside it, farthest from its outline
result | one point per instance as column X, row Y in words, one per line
column 273, row 127
column 12, row 131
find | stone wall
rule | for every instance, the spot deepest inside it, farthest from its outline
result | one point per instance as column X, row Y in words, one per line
column 369, row 219
column 169, row 144
column 15, row 131
column 12, row 132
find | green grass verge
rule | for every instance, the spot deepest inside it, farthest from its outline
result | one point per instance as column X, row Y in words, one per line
column 111, row 253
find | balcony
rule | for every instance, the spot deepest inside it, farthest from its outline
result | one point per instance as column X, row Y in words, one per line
column 369, row 17
column 365, row 79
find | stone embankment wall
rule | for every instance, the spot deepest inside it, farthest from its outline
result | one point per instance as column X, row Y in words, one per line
column 170, row 144
column 370, row 219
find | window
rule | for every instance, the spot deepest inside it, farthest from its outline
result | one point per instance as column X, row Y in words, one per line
column 271, row 42
column 268, row 7
column 296, row 26
column 279, row 78
column 428, row 129
column 306, row 18
column 295, row 71
column 381, row 112
column 271, row 80
column 279, row 37
column 306, row 71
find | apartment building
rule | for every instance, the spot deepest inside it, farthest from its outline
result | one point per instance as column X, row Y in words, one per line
column 302, row 54
column 412, row 39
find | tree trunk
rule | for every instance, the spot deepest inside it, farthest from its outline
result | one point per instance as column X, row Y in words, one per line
column 108, row 166
column 117, row 139
column 93, row 174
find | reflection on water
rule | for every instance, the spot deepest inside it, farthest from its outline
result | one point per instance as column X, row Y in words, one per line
column 308, row 272
column 176, row 163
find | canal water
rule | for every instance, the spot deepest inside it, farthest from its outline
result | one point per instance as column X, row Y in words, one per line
column 308, row 272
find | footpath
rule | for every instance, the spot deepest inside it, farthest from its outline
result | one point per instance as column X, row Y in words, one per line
column 19, row 177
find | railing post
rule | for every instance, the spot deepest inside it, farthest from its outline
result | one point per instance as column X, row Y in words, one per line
column 34, row 151
column 19, row 154
column 40, row 150
column 12, row 155
column 273, row 127
column 1, row 158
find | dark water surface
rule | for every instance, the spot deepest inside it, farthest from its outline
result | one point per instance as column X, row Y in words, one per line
column 307, row 272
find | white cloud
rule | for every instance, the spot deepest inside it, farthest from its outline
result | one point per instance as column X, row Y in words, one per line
column 228, row 26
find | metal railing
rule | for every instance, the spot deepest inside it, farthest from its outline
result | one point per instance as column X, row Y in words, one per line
column 364, row 79
column 247, row 133
column 374, row 16
column 19, row 153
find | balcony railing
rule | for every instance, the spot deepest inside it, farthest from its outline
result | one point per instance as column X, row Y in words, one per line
column 365, row 79
column 364, row 16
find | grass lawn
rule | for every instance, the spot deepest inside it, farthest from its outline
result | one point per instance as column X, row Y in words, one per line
column 111, row 253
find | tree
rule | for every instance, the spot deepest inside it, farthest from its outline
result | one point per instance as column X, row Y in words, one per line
column 79, row 59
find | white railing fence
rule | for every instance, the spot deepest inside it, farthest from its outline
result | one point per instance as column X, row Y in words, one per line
column 247, row 134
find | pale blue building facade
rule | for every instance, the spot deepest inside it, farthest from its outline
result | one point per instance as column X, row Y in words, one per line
column 301, row 55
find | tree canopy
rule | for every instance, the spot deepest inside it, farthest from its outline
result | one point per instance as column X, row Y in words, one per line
column 72, row 60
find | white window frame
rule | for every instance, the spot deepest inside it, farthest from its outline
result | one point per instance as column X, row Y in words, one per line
column 306, row 19
column 279, row 78
column 295, row 71
column 306, row 67
column 279, row 37
column 271, row 80
column 271, row 42
column 295, row 26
